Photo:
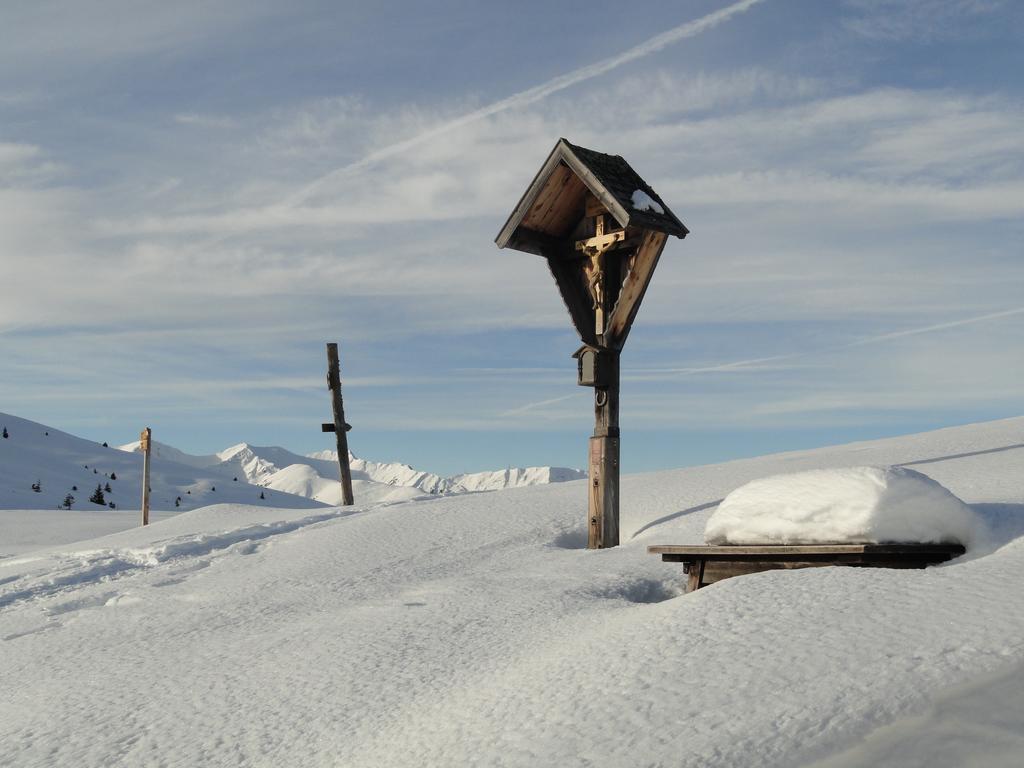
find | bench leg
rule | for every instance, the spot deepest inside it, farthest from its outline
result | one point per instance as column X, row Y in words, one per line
column 696, row 571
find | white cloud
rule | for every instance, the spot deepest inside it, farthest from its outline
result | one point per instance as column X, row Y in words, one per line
column 856, row 196
column 317, row 128
column 46, row 32
column 880, row 153
column 25, row 164
column 205, row 121
column 891, row 20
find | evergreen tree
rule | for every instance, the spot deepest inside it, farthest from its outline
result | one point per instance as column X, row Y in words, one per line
column 74, row 487
column 261, row 495
column 177, row 502
column 5, row 433
column 112, row 505
column 113, row 475
column 68, row 501
column 37, row 486
column 97, row 495
column 107, row 488
column 105, row 444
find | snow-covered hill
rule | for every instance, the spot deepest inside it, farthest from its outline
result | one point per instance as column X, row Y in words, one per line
column 497, row 480
column 316, row 476
column 61, row 464
column 475, row 630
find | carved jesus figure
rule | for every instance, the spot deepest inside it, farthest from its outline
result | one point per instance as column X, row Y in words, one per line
column 594, row 271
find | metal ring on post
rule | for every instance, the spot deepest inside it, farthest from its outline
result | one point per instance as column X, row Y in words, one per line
column 600, row 397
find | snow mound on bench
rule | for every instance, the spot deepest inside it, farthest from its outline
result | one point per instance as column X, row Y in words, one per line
column 863, row 505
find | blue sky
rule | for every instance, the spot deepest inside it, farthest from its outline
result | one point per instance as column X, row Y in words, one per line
column 194, row 197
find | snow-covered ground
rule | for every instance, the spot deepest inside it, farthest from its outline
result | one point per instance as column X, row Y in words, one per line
column 475, row 630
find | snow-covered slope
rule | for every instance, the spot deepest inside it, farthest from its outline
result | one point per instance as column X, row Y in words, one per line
column 169, row 453
column 258, row 463
column 316, row 476
column 514, row 477
column 303, row 480
column 63, row 464
column 475, row 630
column 497, row 480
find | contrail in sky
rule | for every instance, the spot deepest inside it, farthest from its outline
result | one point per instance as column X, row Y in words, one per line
column 536, row 93
column 939, row 327
column 539, row 404
column 743, row 364
column 521, row 99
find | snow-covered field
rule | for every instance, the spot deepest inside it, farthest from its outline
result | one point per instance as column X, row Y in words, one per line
column 475, row 630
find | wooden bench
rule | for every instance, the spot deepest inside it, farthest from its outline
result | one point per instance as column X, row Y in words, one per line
column 708, row 564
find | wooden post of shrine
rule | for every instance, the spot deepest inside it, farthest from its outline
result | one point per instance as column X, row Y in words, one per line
column 145, row 443
column 601, row 228
column 603, row 457
column 339, row 427
column 603, row 507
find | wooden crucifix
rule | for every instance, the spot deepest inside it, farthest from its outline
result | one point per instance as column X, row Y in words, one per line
column 601, row 229
column 339, row 427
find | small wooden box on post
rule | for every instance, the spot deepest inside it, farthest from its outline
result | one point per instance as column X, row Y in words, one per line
column 601, row 229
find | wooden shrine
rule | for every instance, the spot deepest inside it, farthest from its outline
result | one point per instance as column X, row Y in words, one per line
column 601, row 229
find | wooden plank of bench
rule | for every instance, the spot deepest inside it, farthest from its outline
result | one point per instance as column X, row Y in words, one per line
column 836, row 558
column 708, row 564
column 800, row 549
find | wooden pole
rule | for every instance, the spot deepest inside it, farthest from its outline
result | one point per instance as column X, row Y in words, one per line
column 340, row 427
column 145, row 440
column 603, row 512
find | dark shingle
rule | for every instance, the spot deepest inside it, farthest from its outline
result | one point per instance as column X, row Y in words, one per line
column 619, row 178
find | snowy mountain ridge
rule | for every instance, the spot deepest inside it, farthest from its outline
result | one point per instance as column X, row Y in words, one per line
column 315, row 474
column 495, row 480
column 60, row 464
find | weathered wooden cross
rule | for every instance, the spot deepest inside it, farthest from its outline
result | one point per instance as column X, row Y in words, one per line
column 601, row 229
column 339, row 427
column 145, row 445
